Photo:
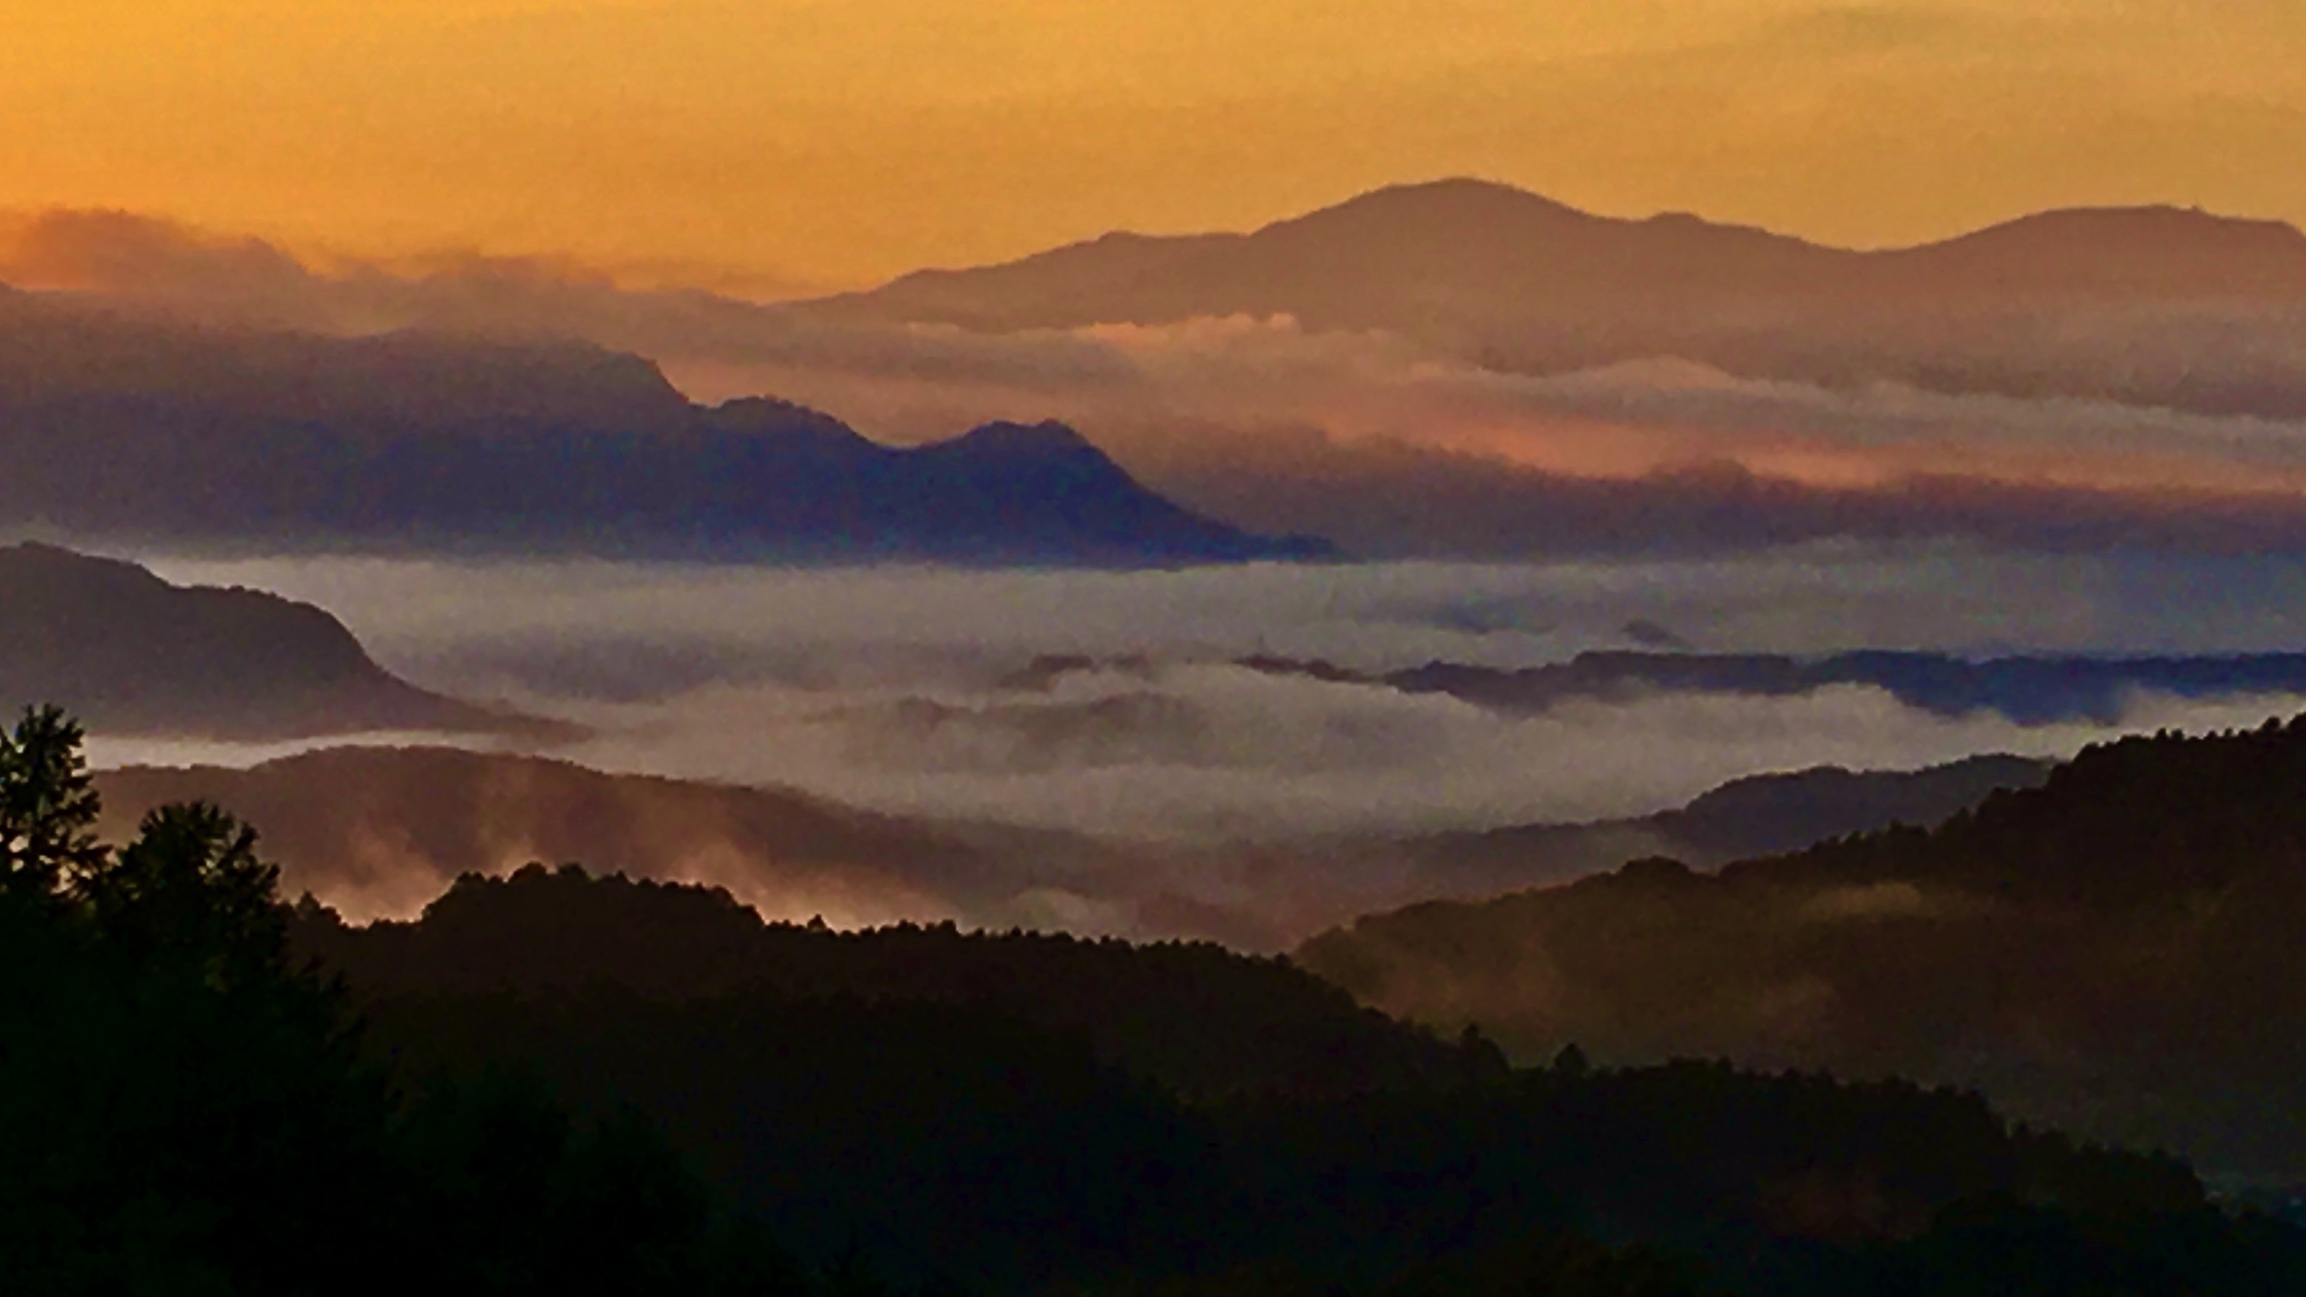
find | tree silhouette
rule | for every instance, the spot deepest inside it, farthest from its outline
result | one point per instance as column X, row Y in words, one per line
column 191, row 887
column 183, row 1111
column 48, row 805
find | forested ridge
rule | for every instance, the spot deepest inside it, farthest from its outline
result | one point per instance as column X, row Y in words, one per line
column 563, row 1083
column 2115, row 949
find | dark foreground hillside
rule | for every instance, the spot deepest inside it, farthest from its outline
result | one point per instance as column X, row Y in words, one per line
column 2115, row 950
column 567, row 1084
column 1023, row 1112
column 1190, row 1017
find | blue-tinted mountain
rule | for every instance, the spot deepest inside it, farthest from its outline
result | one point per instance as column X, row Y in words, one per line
column 150, row 431
column 2030, row 690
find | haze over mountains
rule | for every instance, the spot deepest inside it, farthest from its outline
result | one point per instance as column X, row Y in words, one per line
column 1463, row 252
column 1463, row 368
column 161, row 433
column 384, row 831
column 1524, row 284
column 375, row 831
column 2112, row 951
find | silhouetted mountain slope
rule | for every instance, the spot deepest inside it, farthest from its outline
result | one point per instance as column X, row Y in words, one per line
column 386, row 830
column 2144, row 305
column 2109, row 252
column 1005, row 1111
column 1757, row 815
column 134, row 654
column 1413, row 256
column 141, row 429
column 186, row 1104
column 56, row 354
column 1193, row 1017
column 2114, row 949
column 1453, row 253
column 1786, row 812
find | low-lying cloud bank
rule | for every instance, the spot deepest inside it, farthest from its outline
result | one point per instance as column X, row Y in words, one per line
column 897, row 689
column 1164, row 789
column 1220, row 754
column 1197, row 802
column 1392, row 446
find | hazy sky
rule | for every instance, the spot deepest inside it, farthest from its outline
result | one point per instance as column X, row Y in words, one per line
column 761, row 144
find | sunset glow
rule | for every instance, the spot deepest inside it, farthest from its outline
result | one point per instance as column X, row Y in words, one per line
column 783, row 146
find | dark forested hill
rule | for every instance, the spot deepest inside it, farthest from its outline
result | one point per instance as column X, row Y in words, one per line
column 133, row 654
column 145, row 430
column 1017, row 1113
column 559, row 1084
column 1191, row 1016
column 2114, row 949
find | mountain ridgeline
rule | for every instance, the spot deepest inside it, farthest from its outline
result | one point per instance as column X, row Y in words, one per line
column 132, row 653
column 1024, row 1113
column 375, row 830
column 1461, row 250
column 2140, row 305
column 148, row 431
column 2029, row 690
column 2113, row 950
column 556, row 1082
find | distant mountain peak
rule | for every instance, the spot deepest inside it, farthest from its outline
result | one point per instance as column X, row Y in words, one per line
column 1459, row 193
column 2123, row 244
column 1029, row 440
column 769, row 416
column 1438, row 208
column 2153, row 220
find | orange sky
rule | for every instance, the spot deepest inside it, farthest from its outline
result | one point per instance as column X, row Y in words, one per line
column 759, row 143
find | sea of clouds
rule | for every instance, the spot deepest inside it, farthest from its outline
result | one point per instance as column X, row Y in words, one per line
column 906, row 689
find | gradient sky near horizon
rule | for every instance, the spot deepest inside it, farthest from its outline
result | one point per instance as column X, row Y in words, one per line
column 783, row 145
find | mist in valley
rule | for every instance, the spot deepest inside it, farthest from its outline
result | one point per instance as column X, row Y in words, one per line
column 1102, row 752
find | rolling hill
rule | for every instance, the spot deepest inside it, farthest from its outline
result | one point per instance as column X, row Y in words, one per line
column 2113, row 950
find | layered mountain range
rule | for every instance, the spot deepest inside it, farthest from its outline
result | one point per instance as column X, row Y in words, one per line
column 2198, row 310
column 2113, row 949
column 382, row 831
column 153, row 431
column 1448, row 368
